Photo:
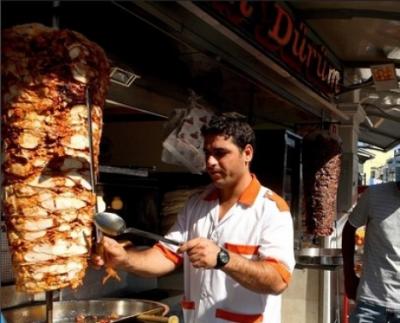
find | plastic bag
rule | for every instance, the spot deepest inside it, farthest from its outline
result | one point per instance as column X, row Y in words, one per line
column 184, row 145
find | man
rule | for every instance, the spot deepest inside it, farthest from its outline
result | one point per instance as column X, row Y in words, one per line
column 237, row 236
column 377, row 292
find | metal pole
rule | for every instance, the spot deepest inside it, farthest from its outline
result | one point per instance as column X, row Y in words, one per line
column 98, row 233
column 56, row 16
column 49, row 306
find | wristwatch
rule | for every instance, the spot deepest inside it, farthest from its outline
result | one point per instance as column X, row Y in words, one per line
column 222, row 258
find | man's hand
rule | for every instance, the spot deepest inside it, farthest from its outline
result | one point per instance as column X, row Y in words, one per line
column 202, row 252
column 348, row 249
column 114, row 255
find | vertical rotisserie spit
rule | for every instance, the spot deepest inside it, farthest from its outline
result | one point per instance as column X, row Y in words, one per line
column 48, row 200
column 321, row 171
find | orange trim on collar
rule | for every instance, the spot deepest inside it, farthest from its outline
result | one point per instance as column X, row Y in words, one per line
column 250, row 193
column 248, row 196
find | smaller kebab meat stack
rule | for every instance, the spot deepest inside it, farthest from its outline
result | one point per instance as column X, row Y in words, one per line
column 48, row 198
column 321, row 172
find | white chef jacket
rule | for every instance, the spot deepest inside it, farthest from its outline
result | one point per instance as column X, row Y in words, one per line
column 258, row 226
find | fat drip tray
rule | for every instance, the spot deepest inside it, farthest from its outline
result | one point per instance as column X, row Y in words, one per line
column 319, row 258
column 170, row 297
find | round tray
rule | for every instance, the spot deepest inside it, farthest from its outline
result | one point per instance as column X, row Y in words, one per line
column 68, row 311
column 319, row 258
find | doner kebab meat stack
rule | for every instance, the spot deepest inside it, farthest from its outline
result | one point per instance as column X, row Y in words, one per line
column 48, row 199
column 322, row 154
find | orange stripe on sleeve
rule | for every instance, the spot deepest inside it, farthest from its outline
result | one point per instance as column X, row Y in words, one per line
column 175, row 258
column 281, row 269
column 237, row 317
column 242, row 249
column 188, row 305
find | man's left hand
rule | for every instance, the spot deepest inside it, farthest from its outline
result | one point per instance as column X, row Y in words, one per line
column 202, row 252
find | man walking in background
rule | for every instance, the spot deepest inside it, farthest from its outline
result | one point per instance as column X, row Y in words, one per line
column 377, row 292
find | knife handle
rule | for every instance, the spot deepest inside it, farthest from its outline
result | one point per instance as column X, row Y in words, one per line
column 150, row 235
column 158, row 319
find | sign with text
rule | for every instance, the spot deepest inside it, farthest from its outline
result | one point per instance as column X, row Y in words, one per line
column 384, row 77
column 272, row 28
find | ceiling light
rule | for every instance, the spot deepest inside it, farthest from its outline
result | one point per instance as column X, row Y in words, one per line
column 374, row 122
column 373, row 96
column 123, row 77
column 369, row 96
column 369, row 121
column 377, row 121
column 365, row 73
column 387, row 100
column 390, row 100
column 392, row 53
column 117, row 203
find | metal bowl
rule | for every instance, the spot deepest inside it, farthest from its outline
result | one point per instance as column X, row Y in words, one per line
column 319, row 258
column 67, row 311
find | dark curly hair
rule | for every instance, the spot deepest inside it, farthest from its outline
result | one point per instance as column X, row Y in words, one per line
column 231, row 125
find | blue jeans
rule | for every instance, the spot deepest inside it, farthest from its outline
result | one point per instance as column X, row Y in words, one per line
column 369, row 313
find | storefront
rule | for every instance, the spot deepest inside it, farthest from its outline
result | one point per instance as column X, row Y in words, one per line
column 257, row 59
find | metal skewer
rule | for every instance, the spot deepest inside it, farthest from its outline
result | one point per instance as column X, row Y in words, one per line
column 98, row 233
column 49, row 306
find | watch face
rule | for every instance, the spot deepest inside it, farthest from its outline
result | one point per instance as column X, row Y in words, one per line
column 222, row 258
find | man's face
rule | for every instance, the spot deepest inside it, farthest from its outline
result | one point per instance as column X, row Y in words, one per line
column 225, row 163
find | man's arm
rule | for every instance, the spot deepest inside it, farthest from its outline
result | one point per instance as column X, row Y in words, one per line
column 146, row 263
column 258, row 276
column 348, row 245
